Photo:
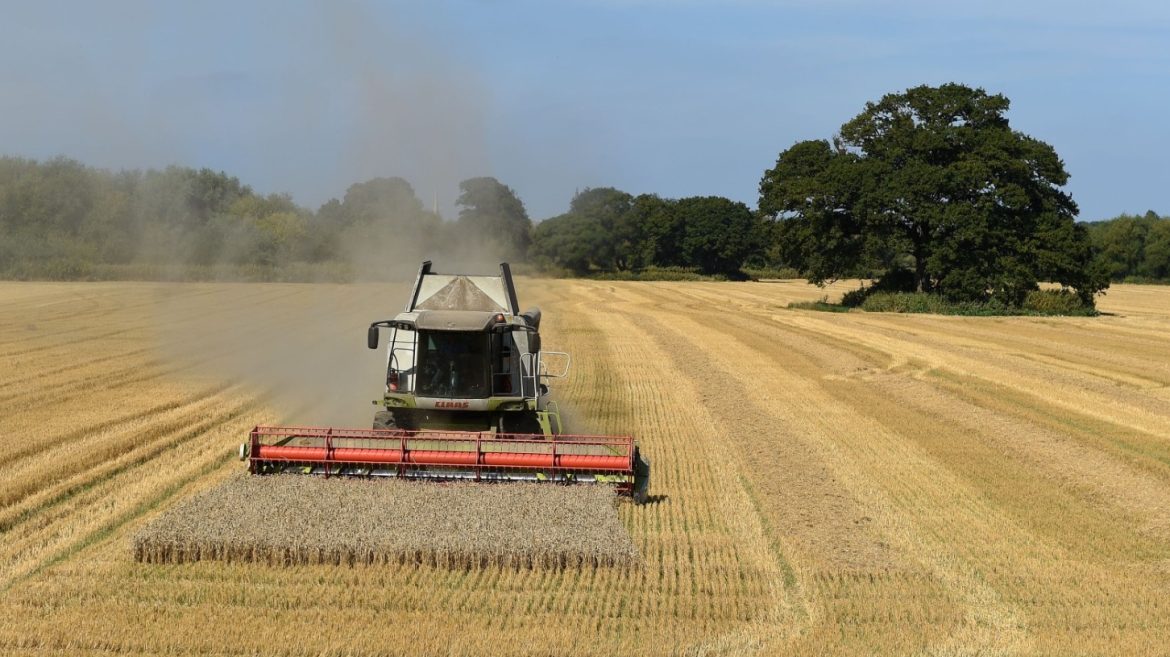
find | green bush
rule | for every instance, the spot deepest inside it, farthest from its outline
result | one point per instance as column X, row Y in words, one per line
column 1056, row 302
column 821, row 305
column 52, row 269
column 921, row 302
column 1146, row 280
column 854, row 298
column 659, row 274
column 757, row 273
column 1039, row 302
column 901, row 302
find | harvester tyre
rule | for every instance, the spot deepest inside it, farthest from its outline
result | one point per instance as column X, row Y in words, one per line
column 384, row 420
column 641, row 478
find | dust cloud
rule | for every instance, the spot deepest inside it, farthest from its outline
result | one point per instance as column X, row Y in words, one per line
column 298, row 348
column 411, row 112
column 415, row 112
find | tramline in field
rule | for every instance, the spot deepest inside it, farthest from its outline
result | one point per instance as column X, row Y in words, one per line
column 466, row 398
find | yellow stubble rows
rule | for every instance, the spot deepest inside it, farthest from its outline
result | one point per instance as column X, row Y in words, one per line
column 825, row 484
column 711, row 579
column 1038, row 500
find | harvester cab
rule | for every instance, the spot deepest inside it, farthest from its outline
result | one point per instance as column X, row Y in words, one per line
column 465, row 398
column 462, row 356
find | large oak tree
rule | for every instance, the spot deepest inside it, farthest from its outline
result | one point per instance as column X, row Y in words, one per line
column 936, row 183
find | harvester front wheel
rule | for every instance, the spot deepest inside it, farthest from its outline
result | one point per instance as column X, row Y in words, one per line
column 384, row 420
column 641, row 478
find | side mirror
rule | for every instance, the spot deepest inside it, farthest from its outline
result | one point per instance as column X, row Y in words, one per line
column 372, row 337
column 534, row 342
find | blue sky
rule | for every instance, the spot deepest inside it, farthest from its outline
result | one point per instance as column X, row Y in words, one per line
column 677, row 98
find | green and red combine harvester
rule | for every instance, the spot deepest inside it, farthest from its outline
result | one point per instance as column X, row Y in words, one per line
column 466, row 398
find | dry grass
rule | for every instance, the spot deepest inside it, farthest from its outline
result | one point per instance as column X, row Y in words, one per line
column 288, row 519
column 828, row 484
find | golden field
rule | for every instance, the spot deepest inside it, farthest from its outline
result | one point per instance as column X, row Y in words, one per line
column 826, row 484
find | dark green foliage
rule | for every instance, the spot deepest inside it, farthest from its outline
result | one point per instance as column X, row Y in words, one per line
column 1157, row 252
column 1037, row 302
column 717, row 234
column 1130, row 247
column 1056, row 302
column 609, row 233
column 766, row 272
column 568, row 241
column 814, row 191
column 821, row 305
column 612, row 232
column 922, row 302
column 660, row 274
column 894, row 281
column 854, row 298
column 933, row 182
column 658, row 231
column 598, row 232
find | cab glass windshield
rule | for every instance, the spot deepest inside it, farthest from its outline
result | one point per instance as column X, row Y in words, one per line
column 453, row 365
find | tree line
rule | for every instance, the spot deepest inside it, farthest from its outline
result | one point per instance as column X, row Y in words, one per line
column 608, row 230
column 60, row 219
column 929, row 190
column 1133, row 248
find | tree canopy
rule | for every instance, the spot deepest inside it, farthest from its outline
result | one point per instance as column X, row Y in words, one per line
column 608, row 230
column 927, row 190
column 717, row 233
column 1133, row 247
column 62, row 219
column 598, row 232
column 491, row 211
column 935, row 188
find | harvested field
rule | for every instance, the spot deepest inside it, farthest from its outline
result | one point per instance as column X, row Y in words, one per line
column 287, row 520
column 825, row 483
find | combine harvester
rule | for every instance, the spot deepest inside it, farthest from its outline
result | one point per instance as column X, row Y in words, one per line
column 466, row 398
